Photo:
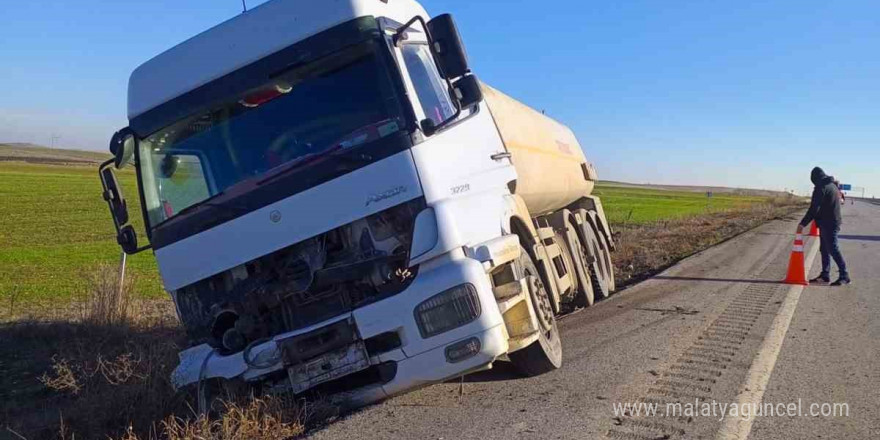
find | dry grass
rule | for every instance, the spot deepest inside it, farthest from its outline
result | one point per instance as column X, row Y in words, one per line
column 62, row 379
column 258, row 419
column 648, row 248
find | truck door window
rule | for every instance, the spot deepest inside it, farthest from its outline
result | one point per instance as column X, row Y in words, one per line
column 429, row 86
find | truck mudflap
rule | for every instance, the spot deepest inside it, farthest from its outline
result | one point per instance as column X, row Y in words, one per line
column 382, row 337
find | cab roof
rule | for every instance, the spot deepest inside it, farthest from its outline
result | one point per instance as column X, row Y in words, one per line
column 244, row 39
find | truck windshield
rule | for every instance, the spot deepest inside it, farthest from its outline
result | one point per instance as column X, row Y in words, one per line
column 339, row 102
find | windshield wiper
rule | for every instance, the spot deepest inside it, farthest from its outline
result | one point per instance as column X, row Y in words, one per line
column 299, row 162
column 210, row 202
column 236, row 209
column 336, row 151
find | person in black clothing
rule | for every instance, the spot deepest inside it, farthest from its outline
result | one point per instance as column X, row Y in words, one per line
column 825, row 210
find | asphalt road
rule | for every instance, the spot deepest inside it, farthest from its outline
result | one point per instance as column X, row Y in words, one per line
column 715, row 329
column 832, row 351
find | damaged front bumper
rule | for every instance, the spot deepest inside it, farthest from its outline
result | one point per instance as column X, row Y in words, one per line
column 382, row 338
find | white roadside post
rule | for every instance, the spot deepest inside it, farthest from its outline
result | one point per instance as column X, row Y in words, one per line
column 122, row 260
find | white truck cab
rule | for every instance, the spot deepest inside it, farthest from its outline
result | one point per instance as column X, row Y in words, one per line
column 332, row 200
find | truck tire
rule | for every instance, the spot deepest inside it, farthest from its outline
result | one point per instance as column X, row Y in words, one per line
column 594, row 252
column 609, row 265
column 584, row 296
column 545, row 354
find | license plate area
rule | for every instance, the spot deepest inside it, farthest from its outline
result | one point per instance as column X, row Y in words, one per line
column 324, row 354
column 327, row 367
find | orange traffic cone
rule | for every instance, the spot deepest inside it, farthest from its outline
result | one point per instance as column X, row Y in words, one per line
column 814, row 230
column 796, row 265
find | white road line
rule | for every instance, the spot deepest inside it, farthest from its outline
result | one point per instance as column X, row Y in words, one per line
column 738, row 428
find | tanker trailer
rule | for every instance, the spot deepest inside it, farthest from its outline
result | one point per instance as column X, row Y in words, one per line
column 554, row 176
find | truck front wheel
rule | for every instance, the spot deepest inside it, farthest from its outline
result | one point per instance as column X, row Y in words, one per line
column 545, row 354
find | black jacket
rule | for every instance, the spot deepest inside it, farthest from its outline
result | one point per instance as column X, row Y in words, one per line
column 825, row 205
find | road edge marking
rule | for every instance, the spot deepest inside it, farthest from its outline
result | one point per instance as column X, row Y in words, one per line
column 738, row 428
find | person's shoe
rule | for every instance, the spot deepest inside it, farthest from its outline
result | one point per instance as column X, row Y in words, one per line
column 841, row 281
column 821, row 279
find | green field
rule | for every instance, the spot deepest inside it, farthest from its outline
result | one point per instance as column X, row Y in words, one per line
column 624, row 204
column 55, row 228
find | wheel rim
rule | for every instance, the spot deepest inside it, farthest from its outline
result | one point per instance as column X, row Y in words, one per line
column 540, row 301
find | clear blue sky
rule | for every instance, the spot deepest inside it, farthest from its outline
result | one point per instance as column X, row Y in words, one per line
column 743, row 93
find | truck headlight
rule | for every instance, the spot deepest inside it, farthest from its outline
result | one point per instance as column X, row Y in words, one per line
column 447, row 310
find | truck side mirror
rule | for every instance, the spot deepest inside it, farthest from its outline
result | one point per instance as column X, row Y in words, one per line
column 467, row 91
column 125, row 233
column 127, row 239
column 113, row 197
column 447, row 46
column 450, row 58
column 122, row 146
column 428, row 126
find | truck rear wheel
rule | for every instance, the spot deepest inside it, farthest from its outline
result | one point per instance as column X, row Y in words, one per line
column 583, row 297
column 545, row 354
column 597, row 269
column 609, row 265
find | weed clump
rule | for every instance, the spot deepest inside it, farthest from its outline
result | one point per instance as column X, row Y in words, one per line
column 258, row 419
column 110, row 300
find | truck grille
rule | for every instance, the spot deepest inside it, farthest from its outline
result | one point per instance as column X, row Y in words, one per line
column 302, row 284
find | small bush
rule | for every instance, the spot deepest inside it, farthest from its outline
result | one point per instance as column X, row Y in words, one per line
column 62, row 378
column 108, row 302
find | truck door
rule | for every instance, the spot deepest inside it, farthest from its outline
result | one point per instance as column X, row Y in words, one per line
column 463, row 158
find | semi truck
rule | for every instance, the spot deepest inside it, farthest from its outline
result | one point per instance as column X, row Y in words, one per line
column 337, row 204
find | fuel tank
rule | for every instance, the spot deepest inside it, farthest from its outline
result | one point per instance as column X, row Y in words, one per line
column 552, row 171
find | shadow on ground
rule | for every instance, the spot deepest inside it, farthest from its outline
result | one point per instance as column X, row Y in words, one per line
column 501, row 371
column 90, row 380
column 859, row 237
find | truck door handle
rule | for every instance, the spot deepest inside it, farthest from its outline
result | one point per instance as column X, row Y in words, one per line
column 499, row 156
